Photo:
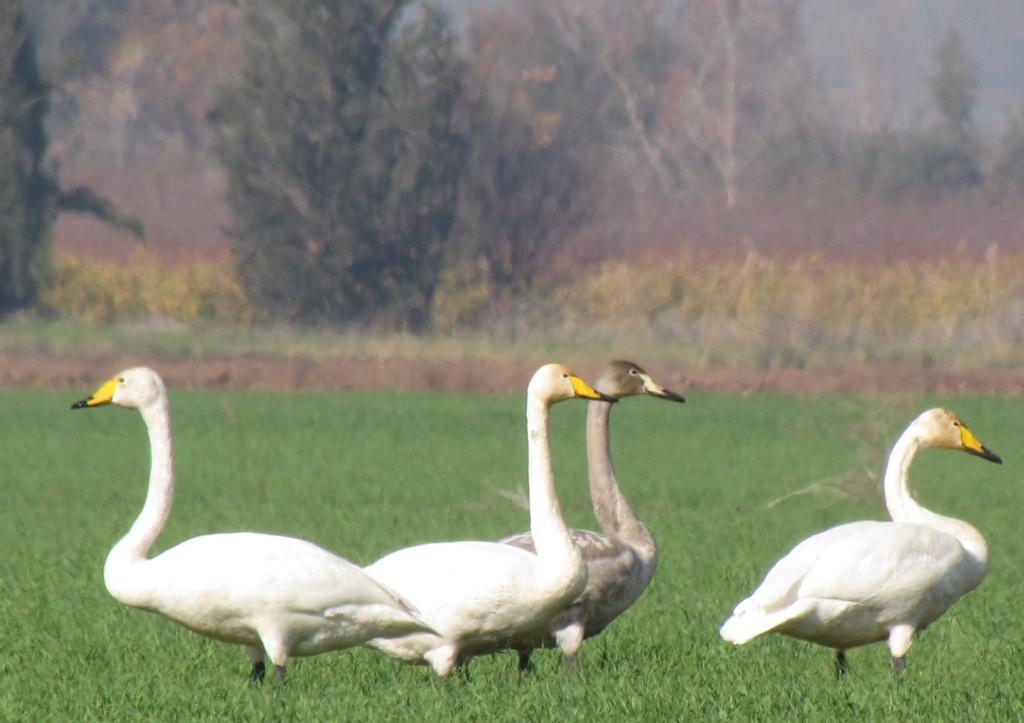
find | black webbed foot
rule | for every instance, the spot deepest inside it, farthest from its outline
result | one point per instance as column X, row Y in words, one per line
column 842, row 667
column 525, row 664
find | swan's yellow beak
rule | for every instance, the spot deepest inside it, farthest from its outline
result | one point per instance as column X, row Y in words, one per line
column 582, row 389
column 103, row 395
column 974, row 446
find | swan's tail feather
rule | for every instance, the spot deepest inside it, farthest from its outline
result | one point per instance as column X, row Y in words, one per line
column 740, row 629
column 421, row 625
column 749, row 621
column 411, row 612
column 408, row 622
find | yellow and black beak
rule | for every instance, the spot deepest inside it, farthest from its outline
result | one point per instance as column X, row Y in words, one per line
column 652, row 388
column 582, row 389
column 972, row 445
column 103, row 395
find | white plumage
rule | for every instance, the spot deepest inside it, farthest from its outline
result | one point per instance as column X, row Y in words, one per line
column 477, row 594
column 868, row 581
column 278, row 596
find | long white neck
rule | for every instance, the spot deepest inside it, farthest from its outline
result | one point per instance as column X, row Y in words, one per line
column 550, row 535
column 904, row 508
column 134, row 546
column 612, row 510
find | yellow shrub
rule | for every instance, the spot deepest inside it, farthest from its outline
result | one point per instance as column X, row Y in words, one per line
column 803, row 305
column 142, row 286
column 758, row 309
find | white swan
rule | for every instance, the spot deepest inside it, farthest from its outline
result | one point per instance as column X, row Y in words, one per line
column 622, row 558
column 864, row 582
column 475, row 593
column 278, row 596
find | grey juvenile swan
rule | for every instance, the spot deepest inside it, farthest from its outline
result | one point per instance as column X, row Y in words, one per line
column 621, row 559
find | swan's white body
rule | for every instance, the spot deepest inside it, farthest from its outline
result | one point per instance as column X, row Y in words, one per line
column 476, row 594
column 864, row 582
column 622, row 558
column 280, row 596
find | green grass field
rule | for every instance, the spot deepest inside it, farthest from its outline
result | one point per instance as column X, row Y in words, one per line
column 727, row 483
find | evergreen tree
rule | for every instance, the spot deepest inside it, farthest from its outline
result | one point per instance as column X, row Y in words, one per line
column 30, row 196
column 953, row 84
column 343, row 153
column 24, row 183
column 1008, row 167
column 937, row 158
column 949, row 158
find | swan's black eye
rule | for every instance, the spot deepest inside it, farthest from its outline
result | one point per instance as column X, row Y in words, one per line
column 565, row 376
column 956, row 423
column 634, row 372
column 120, row 380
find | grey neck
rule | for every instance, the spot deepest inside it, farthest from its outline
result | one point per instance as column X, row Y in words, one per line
column 612, row 510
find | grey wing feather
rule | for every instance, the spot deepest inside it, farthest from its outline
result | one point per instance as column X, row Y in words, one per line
column 522, row 540
column 594, row 546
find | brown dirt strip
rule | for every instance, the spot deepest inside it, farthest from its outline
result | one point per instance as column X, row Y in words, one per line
column 486, row 375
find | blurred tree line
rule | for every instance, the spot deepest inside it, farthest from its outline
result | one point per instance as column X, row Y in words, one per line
column 377, row 150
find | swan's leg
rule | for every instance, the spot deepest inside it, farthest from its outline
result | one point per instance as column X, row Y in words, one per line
column 900, row 639
column 443, row 658
column 524, row 660
column 569, row 639
column 259, row 670
column 842, row 666
column 278, row 650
